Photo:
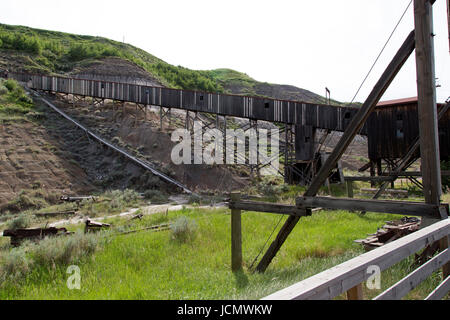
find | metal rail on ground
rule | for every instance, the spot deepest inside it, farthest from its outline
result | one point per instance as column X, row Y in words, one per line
column 141, row 163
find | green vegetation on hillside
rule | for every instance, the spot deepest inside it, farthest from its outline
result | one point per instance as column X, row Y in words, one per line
column 50, row 52
column 57, row 52
column 14, row 102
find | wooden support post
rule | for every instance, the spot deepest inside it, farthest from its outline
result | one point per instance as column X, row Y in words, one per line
column 236, row 236
column 448, row 22
column 355, row 293
column 350, row 189
column 353, row 128
column 443, row 244
column 426, row 92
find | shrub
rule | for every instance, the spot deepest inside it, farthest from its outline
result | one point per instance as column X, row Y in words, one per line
column 3, row 90
column 25, row 201
column 64, row 250
column 156, row 196
column 194, row 199
column 49, row 252
column 120, row 199
column 15, row 264
column 10, row 84
column 20, row 222
column 183, row 229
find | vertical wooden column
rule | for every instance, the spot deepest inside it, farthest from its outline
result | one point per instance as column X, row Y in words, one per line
column 372, row 173
column 355, row 293
column 350, row 189
column 426, row 91
column 448, row 22
column 236, row 236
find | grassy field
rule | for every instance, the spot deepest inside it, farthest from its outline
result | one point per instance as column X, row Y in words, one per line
column 148, row 265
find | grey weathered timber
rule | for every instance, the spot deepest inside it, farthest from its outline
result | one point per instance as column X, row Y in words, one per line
column 375, row 179
column 444, row 173
column 356, row 293
column 236, row 236
column 385, row 206
column 426, row 92
column 266, row 207
column 341, row 278
column 406, row 160
column 350, row 188
column 440, row 291
column 408, row 283
column 355, row 125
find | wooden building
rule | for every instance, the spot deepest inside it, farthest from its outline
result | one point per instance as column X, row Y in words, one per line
column 394, row 126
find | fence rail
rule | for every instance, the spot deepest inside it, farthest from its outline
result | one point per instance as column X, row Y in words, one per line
column 349, row 275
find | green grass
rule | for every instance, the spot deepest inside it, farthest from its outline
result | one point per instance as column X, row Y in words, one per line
column 149, row 265
column 15, row 104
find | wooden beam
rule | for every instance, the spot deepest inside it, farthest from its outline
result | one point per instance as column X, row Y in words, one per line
column 353, row 128
column 355, row 293
column 448, row 22
column 444, row 173
column 385, row 206
column 350, row 188
column 426, row 92
column 236, row 236
column 339, row 279
column 266, row 207
column 408, row 283
column 441, row 291
column 375, row 179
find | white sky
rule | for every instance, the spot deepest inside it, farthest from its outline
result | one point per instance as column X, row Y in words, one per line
column 309, row 44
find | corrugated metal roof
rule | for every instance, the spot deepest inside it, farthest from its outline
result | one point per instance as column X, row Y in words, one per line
column 397, row 101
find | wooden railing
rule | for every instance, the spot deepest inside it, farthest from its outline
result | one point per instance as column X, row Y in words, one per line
column 349, row 276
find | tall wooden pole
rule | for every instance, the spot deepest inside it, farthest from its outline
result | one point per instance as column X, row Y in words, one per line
column 427, row 110
column 236, row 236
column 448, row 22
column 355, row 125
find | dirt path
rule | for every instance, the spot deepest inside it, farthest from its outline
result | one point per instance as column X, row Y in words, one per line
column 149, row 210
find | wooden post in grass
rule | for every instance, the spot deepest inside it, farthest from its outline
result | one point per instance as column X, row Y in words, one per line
column 236, row 235
column 355, row 293
column 350, row 189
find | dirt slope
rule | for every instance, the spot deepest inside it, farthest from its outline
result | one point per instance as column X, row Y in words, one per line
column 30, row 158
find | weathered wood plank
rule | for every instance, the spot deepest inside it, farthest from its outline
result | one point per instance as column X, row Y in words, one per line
column 339, row 279
column 426, row 95
column 350, row 189
column 408, row 283
column 236, row 236
column 267, row 207
column 440, row 291
column 374, row 179
column 352, row 129
column 396, row 207
column 355, row 293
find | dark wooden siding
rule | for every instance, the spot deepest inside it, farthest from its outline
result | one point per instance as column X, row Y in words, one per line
column 393, row 129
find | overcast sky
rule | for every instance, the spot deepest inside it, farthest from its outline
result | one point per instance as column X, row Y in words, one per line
column 309, row 44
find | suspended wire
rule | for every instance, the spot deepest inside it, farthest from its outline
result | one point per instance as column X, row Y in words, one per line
column 265, row 244
column 382, row 50
column 371, row 68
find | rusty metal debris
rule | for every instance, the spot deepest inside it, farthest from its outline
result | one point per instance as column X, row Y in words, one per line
column 75, row 199
column 156, row 228
column 20, row 235
column 54, row 214
column 95, row 226
column 138, row 216
column 391, row 231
